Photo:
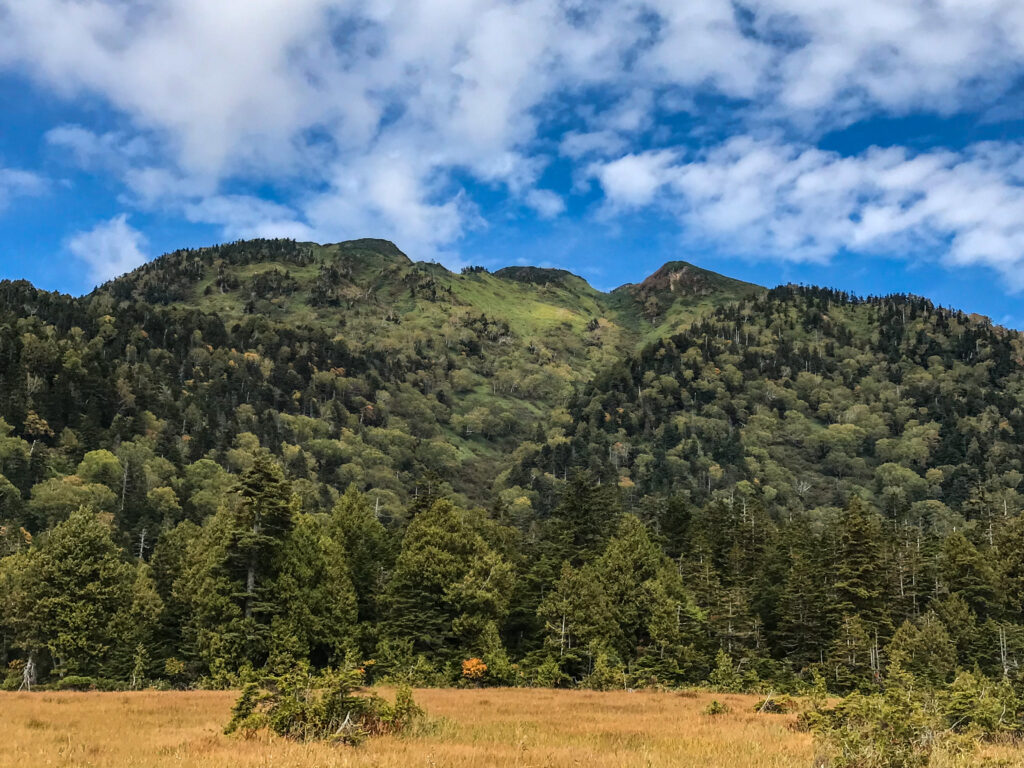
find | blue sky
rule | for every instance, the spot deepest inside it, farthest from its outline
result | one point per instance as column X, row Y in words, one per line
column 875, row 146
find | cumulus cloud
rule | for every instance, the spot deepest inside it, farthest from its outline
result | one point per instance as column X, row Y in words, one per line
column 896, row 55
column 376, row 116
column 17, row 183
column 109, row 249
column 546, row 203
column 633, row 180
column 578, row 144
column 771, row 199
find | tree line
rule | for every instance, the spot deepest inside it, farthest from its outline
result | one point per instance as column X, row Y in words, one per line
column 593, row 595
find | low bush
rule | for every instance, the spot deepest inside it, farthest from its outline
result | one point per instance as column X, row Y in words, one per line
column 326, row 707
column 973, row 703
column 607, row 674
column 777, row 705
column 716, row 707
column 83, row 683
column 907, row 726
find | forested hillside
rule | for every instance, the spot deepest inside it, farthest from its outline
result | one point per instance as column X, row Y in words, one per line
column 271, row 453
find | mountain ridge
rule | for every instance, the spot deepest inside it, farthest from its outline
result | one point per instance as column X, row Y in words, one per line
column 516, row 272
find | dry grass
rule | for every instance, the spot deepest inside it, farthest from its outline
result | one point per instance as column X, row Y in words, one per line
column 489, row 727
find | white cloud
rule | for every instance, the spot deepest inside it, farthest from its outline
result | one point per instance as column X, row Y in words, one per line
column 244, row 216
column 113, row 150
column 633, row 180
column 109, row 249
column 373, row 115
column 389, row 196
column 770, row 199
column 546, row 203
column 577, row 144
column 18, row 183
column 896, row 55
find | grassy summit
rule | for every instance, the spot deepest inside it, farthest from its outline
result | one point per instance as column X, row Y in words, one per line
column 354, row 282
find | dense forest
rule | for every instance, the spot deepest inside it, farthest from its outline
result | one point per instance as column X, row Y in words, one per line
column 271, row 453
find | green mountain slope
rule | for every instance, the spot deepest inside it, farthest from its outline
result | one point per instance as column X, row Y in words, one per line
column 806, row 396
column 374, row 368
column 363, row 281
column 677, row 294
column 303, row 453
column 516, row 342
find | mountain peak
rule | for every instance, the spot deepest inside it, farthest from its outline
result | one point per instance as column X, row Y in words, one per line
column 678, row 291
column 681, row 278
column 540, row 276
column 377, row 245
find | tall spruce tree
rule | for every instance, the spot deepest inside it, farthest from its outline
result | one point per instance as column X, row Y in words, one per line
column 368, row 547
column 859, row 587
column 438, row 551
column 803, row 607
column 75, row 597
column 316, row 614
column 964, row 571
column 260, row 521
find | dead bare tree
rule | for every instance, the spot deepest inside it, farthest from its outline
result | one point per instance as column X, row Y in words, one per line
column 28, row 674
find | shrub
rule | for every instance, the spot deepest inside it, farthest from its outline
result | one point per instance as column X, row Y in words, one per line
column 901, row 728
column 474, row 670
column 777, row 705
column 397, row 663
column 83, row 683
column 74, row 683
column 174, row 669
column 975, row 703
column 716, row 707
column 15, row 675
column 606, row 675
column 549, row 674
column 724, row 677
column 325, row 707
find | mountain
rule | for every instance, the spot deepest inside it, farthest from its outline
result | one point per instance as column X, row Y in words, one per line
column 320, row 453
column 376, row 368
column 359, row 282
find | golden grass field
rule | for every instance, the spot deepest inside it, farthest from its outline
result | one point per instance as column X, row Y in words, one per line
column 487, row 727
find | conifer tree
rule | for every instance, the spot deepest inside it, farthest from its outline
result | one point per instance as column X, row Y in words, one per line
column 438, row 550
column 260, row 521
column 924, row 649
column 75, row 586
column 859, row 587
column 965, row 572
column 316, row 611
column 368, row 548
column 853, row 660
column 579, row 620
column 229, row 580
column 586, row 515
column 802, row 610
column 137, row 652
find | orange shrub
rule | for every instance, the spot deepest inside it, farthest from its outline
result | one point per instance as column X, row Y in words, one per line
column 473, row 669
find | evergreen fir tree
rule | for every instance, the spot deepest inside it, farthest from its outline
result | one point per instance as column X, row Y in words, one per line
column 859, row 586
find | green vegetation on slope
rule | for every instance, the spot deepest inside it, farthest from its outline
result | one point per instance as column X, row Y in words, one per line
column 272, row 453
column 474, row 360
